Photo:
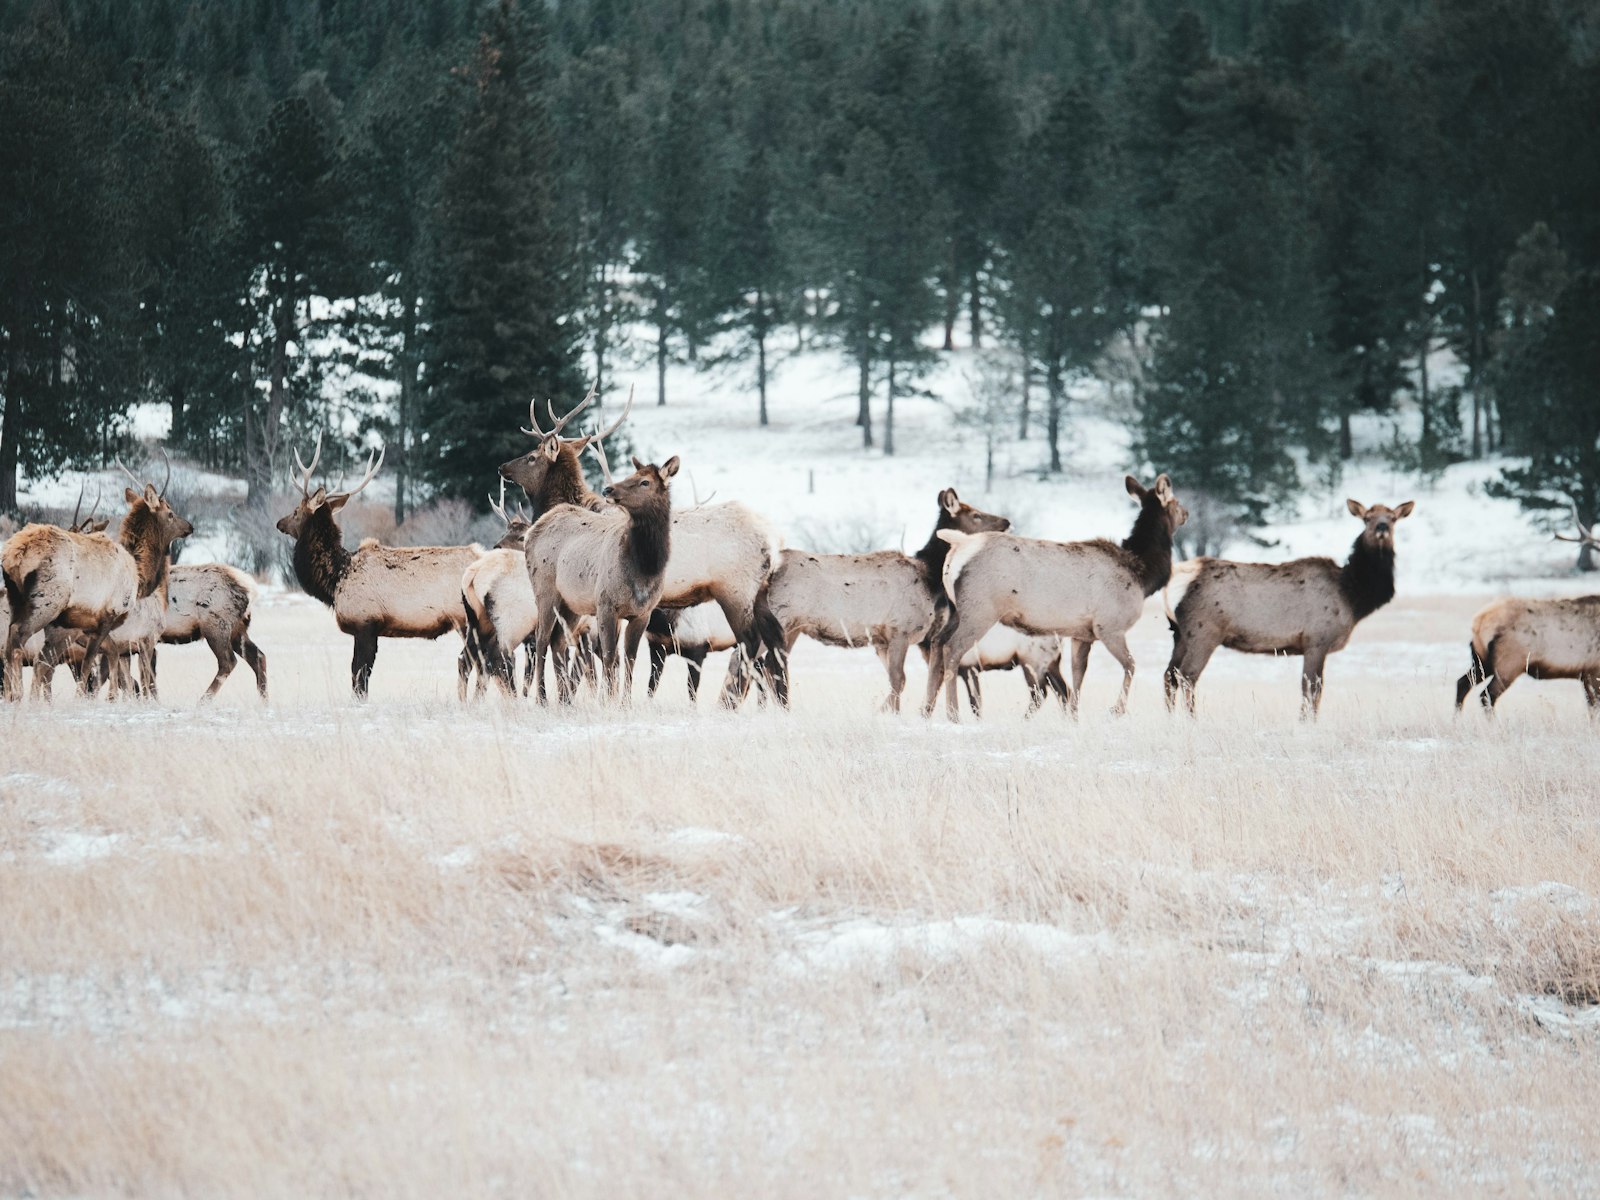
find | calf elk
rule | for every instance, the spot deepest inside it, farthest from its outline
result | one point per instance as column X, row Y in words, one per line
column 379, row 591
column 609, row 565
column 1088, row 591
column 1037, row 657
column 85, row 581
column 1543, row 639
column 213, row 602
column 1307, row 607
column 691, row 633
column 887, row 600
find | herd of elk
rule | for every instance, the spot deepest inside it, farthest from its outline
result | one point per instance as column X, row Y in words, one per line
column 589, row 571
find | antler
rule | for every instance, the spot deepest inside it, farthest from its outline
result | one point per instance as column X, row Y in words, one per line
column 163, row 492
column 137, row 485
column 557, row 426
column 82, row 484
column 305, row 471
column 374, row 465
column 1585, row 533
column 499, row 508
column 600, row 454
column 610, row 429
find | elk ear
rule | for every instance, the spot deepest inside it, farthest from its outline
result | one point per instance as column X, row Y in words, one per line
column 151, row 496
column 949, row 501
column 131, row 496
column 335, row 503
column 637, row 465
column 670, row 467
column 1405, row 509
column 1163, row 488
column 551, row 447
column 1133, row 486
column 1357, row 509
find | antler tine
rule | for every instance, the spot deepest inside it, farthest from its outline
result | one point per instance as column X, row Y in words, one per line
column 594, row 390
column 137, row 486
column 600, row 455
column 617, row 424
column 374, row 465
column 96, row 507
column 305, row 471
column 76, row 508
column 533, row 419
column 1585, row 533
column 165, row 482
column 499, row 508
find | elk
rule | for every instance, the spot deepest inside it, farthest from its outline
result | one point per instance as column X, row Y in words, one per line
column 378, row 591
column 489, row 606
column 720, row 552
column 1308, row 606
column 213, row 602
column 886, row 599
column 691, row 633
column 1037, row 657
column 1087, row 591
column 86, row 581
column 1542, row 639
column 609, row 565
column 49, row 648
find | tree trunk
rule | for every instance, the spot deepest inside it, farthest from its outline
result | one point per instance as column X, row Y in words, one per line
column 408, row 401
column 259, row 463
column 1424, row 400
column 661, row 352
column 1475, row 368
column 11, row 419
column 952, row 303
column 602, row 332
column 864, row 396
column 975, row 310
column 1053, row 414
column 1027, row 388
column 888, row 419
column 761, row 353
column 1347, row 449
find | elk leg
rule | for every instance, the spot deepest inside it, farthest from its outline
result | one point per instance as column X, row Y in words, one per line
column 1502, row 674
column 147, row 669
column 1476, row 673
column 894, row 659
column 658, row 664
column 256, row 661
column 1190, row 655
column 630, row 652
column 960, row 634
column 696, row 660
column 1591, row 692
column 1055, row 683
column 606, row 622
column 222, row 649
column 361, row 662
column 91, row 653
column 1036, row 690
column 1080, row 668
column 969, row 676
column 1114, row 641
column 1311, row 683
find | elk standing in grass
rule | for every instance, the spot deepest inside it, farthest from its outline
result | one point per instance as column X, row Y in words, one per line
column 213, row 602
column 1087, row 591
column 498, row 599
column 609, row 565
column 49, row 648
column 1307, row 607
column 1542, row 639
column 887, row 600
column 1001, row 649
column 720, row 552
column 85, row 581
column 691, row 633
column 378, row 591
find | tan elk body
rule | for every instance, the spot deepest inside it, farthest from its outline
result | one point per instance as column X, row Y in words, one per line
column 720, row 552
column 213, row 602
column 1542, row 639
column 1037, row 656
column 85, row 581
column 1088, row 591
column 608, row 565
column 1308, row 606
column 887, row 600
column 377, row 591
column 692, row 634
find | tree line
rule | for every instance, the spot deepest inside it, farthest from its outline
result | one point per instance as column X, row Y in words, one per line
column 1259, row 217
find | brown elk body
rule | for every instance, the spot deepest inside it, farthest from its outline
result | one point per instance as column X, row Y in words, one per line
column 1308, row 606
column 377, row 591
column 498, row 600
column 690, row 633
column 52, row 647
column 887, row 600
column 1542, row 639
column 608, row 565
column 720, row 552
column 1088, row 591
column 213, row 602
column 85, row 581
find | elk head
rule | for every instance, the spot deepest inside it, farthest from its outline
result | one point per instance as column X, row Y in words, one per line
column 1380, row 521
column 314, row 502
column 148, row 508
column 955, row 513
column 532, row 472
column 1158, row 499
column 645, row 489
column 517, row 523
column 1586, row 534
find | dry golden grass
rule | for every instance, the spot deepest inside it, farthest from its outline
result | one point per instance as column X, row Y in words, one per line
column 404, row 949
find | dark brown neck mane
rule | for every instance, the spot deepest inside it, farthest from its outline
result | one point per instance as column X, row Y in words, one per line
column 650, row 539
column 936, row 550
column 564, row 484
column 1367, row 579
column 141, row 537
column 1150, row 543
column 320, row 559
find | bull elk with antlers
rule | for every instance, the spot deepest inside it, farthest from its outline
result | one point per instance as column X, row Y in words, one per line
column 86, row 581
column 720, row 552
column 378, row 591
column 1308, row 606
column 1542, row 639
column 608, row 564
column 1087, row 591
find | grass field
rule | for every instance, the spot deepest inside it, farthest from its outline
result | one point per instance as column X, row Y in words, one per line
column 411, row 949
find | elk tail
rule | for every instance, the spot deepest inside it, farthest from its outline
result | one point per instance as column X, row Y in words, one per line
column 1186, row 571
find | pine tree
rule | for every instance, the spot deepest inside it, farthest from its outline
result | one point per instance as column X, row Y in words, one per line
column 501, row 304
